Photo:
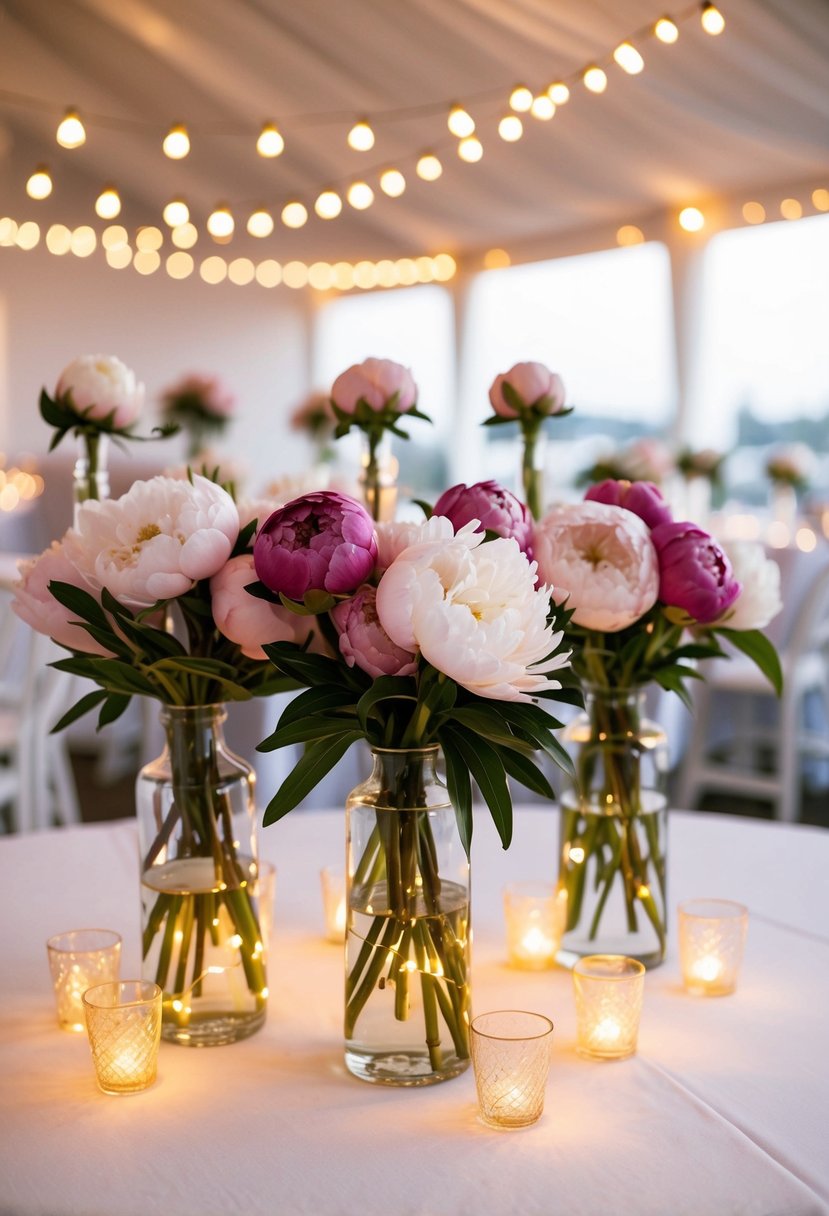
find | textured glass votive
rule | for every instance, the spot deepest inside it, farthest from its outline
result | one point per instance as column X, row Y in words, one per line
column 511, row 1059
column 608, row 990
column 333, row 903
column 534, row 913
column 77, row 960
column 123, row 1021
column 712, row 933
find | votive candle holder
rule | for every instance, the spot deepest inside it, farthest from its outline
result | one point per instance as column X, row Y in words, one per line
column 511, row 1060
column 332, row 881
column 712, row 934
column 77, row 960
column 123, row 1021
column 608, row 989
column 534, row 914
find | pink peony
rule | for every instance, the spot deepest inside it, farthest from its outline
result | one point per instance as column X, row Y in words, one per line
column 694, row 572
column 601, row 559
column 100, row 385
column 643, row 498
column 534, row 383
column 251, row 622
column 496, row 510
column 375, row 381
column 321, row 542
column 35, row 604
column 364, row 641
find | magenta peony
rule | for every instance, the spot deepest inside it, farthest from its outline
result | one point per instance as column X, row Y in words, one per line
column 643, row 498
column 321, row 542
column 694, row 572
column 364, row 641
column 496, row 509
column 375, row 381
column 534, row 383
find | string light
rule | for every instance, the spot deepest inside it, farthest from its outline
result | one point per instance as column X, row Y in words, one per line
column 220, row 224
column 521, row 99
column 820, row 199
column 146, row 261
column 629, row 234
column 28, row 235
column 294, row 215
column 510, row 128
column 270, row 142
column 392, row 183
column 460, row 123
column 83, row 241
column 108, row 203
column 176, row 213
column 149, row 239
column 260, row 223
column 542, row 108
column 114, row 237
column 361, row 136
column 71, row 132
column 241, row 271
column 328, row 205
column 120, row 258
column 711, row 19
column 595, row 79
column 666, row 30
column 176, row 143
column 184, row 236
column 58, row 240
column 429, row 167
column 497, row 259
column 269, row 273
column 470, row 149
column 39, row 185
column 791, row 209
column 558, row 93
column 213, row 270
column 628, row 58
column 691, row 219
column 754, row 213
column 360, row 195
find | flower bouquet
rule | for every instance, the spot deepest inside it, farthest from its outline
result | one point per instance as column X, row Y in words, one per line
column 441, row 645
column 200, row 405
column 649, row 598
column 147, row 593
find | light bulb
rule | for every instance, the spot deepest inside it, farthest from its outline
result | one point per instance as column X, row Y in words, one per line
column 628, row 58
column 270, row 142
column 149, row 239
column 39, row 185
column 629, row 234
column 712, row 19
column 429, row 167
column 542, row 108
column 108, row 203
column 754, row 213
column 176, row 143
column 392, row 183
column 521, row 98
column 595, row 80
column 71, row 132
column 691, row 219
column 176, row 213
column 184, row 236
column 360, row 195
column 294, row 215
column 361, row 136
column 470, row 149
column 510, row 128
column 791, row 209
column 260, row 223
column 820, row 199
column 220, row 223
column 666, row 30
column 328, row 205
column 558, row 93
column 460, row 123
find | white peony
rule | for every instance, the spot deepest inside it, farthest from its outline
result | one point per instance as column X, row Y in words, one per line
column 393, row 538
column 101, row 384
column 474, row 612
column 602, row 560
column 156, row 541
column 759, row 600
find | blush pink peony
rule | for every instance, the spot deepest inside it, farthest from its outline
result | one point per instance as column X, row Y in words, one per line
column 363, row 640
column 100, row 385
column 34, row 603
column 374, row 381
column 251, row 622
column 534, row 383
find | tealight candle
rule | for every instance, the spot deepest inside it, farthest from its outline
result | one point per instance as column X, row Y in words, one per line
column 712, row 934
column 77, row 960
column 511, row 1059
column 608, row 990
column 123, row 1021
column 534, row 914
column 333, row 903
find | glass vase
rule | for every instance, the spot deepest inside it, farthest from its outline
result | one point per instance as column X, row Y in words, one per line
column 90, row 476
column 407, row 935
column 202, row 942
column 533, row 458
column 614, row 832
column 378, row 476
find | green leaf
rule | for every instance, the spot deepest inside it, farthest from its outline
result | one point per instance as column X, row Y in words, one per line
column 306, row 730
column 79, row 602
column 382, row 689
column 112, row 708
column 512, row 398
column 425, row 507
column 319, row 759
column 316, row 700
column 490, row 726
column 756, row 646
column 535, row 724
column 487, row 769
column 86, row 703
column 527, row 774
column 459, row 789
column 309, row 669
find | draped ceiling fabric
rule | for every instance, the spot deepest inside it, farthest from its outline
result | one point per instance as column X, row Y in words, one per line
column 708, row 116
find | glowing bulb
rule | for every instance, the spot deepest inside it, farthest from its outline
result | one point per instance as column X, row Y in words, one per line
column 114, row 237
column 260, row 223
column 70, row 132
column 576, row 855
column 176, row 143
column 691, row 219
column 39, row 184
column 595, row 80
column 791, row 209
column 59, row 240
column 496, row 259
column 542, row 108
column 510, row 128
column 521, row 99
column 28, row 235
column 558, row 93
column 360, row 195
column 820, row 199
column 321, row 277
column 628, row 58
column 712, row 19
column 269, row 273
column 270, row 142
column 443, row 267
column 754, row 213
column 328, row 205
column 220, row 224
column 149, row 239
column 429, row 167
column 361, row 136
column 241, row 271
column 666, row 30
column 470, row 149
column 629, row 234
column 108, row 203
column 184, row 236
column 179, row 265
column 294, row 215
column 392, row 183
column 295, row 275
column 83, row 241
column 460, row 123
column 176, row 213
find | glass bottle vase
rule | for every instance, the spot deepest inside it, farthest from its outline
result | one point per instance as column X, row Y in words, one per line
column 612, row 866
column 90, row 475
column 201, row 938
column 407, row 996
column 378, row 476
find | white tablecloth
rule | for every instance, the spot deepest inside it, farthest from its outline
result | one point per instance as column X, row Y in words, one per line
column 724, row 1110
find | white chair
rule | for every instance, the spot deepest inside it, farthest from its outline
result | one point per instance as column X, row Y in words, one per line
column 736, row 701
